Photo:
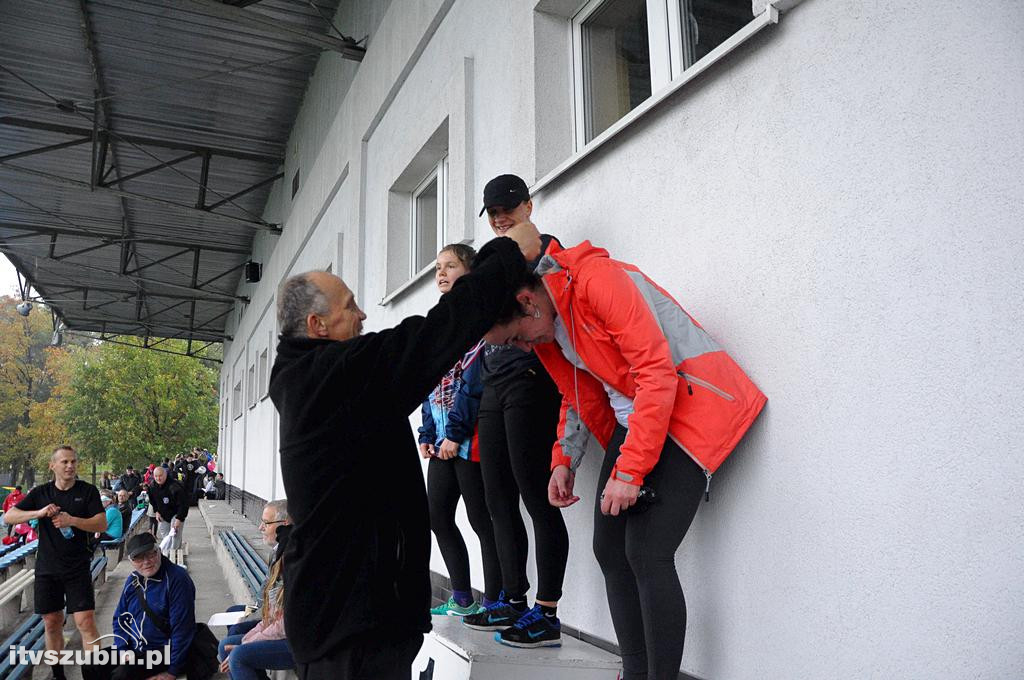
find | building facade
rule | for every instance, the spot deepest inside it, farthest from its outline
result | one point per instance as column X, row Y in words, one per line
column 832, row 188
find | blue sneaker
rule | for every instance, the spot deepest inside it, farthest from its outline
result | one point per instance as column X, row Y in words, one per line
column 497, row 616
column 533, row 629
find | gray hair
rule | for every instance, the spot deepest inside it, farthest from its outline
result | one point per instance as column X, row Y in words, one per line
column 297, row 298
column 279, row 507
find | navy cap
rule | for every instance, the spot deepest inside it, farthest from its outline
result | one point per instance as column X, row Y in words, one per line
column 508, row 191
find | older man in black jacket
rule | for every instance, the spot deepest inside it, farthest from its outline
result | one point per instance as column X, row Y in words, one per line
column 360, row 546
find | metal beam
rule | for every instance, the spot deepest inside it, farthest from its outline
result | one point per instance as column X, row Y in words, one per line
column 203, row 296
column 161, row 166
column 244, row 191
column 204, row 177
column 188, row 210
column 132, row 323
column 206, row 283
column 44, row 149
column 81, row 251
column 144, row 141
column 85, row 233
column 193, row 355
column 241, row 17
column 160, row 261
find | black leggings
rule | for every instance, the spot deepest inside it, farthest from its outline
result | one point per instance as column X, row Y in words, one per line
column 637, row 556
column 517, row 426
column 446, row 481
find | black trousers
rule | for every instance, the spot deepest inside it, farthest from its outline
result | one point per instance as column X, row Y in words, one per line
column 447, row 480
column 517, row 426
column 380, row 658
column 637, row 553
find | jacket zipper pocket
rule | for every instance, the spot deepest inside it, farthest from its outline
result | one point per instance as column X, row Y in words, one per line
column 705, row 384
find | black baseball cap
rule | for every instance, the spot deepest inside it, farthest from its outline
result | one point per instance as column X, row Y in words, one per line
column 508, row 191
column 141, row 543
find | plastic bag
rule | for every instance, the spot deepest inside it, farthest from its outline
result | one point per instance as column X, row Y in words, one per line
column 168, row 540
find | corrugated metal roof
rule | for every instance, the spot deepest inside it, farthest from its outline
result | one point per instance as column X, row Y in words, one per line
column 120, row 87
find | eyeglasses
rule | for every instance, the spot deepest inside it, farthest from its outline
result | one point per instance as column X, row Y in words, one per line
column 148, row 555
column 265, row 523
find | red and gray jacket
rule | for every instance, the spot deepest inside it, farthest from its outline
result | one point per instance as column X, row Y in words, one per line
column 633, row 336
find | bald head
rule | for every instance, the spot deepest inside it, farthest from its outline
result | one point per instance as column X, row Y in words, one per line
column 318, row 305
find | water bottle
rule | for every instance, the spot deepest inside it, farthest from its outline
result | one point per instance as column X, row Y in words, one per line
column 67, row 532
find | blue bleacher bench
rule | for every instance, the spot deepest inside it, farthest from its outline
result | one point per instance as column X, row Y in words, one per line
column 18, row 554
column 251, row 566
column 29, row 635
column 99, row 564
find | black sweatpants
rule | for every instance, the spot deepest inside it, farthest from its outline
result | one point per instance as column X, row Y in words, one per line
column 371, row 658
column 517, row 426
column 637, row 551
column 446, row 481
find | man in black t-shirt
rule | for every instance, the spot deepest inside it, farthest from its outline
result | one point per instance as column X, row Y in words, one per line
column 69, row 512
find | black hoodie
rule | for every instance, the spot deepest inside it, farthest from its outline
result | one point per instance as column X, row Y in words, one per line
column 358, row 556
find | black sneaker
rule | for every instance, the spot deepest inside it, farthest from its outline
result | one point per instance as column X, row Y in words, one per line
column 533, row 629
column 495, row 617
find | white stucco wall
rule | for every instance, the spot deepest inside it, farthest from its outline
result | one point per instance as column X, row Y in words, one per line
column 838, row 202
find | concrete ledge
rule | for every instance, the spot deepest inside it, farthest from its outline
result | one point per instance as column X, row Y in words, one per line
column 454, row 651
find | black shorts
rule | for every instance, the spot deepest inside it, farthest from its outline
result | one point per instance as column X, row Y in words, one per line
column 54, row 591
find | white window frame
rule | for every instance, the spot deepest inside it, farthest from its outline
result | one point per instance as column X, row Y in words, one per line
column 236, row 399
column 251, row 385
column 263, row 373
column 440, row 172
column 667, row 53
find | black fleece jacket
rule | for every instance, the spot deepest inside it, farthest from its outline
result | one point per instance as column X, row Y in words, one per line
column 357, row 559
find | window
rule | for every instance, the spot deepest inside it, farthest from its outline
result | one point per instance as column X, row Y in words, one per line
column 236, row 399
column 625, row 50
column 264, row 372
column 251, row 385
column 428, row 218
column 417, row 209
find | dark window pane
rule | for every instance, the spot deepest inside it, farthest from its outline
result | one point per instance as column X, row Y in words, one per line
column 426, row 225
column 616, row 63
column 707, row 24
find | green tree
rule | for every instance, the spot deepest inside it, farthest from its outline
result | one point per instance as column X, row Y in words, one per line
column 26, row 381
column 133, row 406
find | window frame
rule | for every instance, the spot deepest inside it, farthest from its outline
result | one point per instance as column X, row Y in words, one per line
column 440, row 173
column 667, row 51
column 263, row 372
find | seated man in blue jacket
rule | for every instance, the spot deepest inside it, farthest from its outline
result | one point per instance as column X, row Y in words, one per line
column 170, row 594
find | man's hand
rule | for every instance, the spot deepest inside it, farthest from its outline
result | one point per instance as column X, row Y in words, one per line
column 63, row 519
column 527, row 237
column 50, row 510
column 426, row 450
column 449, row 449
column 224, row 663
column 618, row 496
column 560, row 487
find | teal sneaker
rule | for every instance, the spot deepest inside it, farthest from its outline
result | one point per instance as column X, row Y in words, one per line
column 452, row 608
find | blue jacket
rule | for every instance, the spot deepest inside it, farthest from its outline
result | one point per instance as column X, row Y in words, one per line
column 169, row 593
column 115, row 527
column 451, row 409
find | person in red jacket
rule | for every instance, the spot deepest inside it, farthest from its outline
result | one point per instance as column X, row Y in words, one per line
column 663, row 399
column 12, row 500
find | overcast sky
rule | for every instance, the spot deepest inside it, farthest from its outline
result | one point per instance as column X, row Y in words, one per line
column 8, row 279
